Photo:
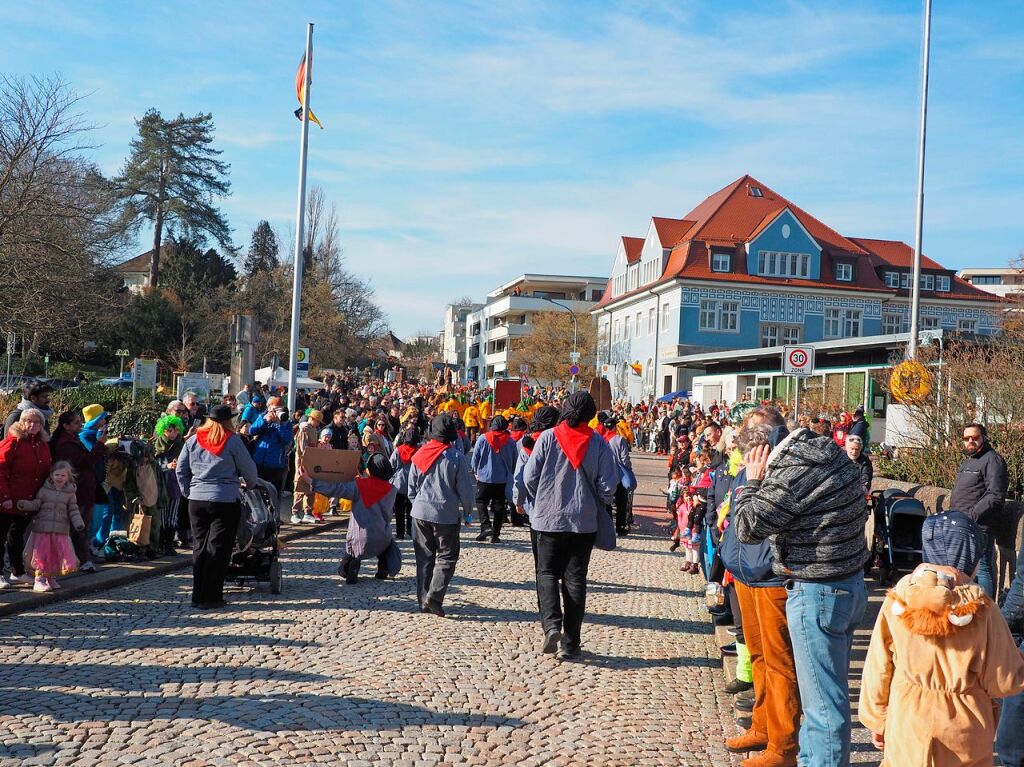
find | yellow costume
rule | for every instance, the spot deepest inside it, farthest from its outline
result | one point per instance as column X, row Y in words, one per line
column 472, row 417
column 485, row 411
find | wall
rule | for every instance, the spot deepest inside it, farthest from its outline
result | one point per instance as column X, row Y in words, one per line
column 784, row 234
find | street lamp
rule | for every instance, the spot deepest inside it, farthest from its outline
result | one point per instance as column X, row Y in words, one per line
column 575, row 334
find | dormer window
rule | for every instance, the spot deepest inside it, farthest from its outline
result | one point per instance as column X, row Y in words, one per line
column 755, row 191
column 892, row 279
column 844, row 272
column 905, row 280
column 927, row 282
column 721, row 262
column 942, row 283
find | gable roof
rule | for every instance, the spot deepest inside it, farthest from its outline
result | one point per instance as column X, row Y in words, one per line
column 138, row 264
column 671, row 230
column 634, row 247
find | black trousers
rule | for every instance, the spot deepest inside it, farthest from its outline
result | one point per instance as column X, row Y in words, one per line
column 214, row 526
column 490, row 495
column 561, row 561
column 437, row 549
column 12, row 532
column 403, row 520
column 621, row 510
column 272, row 475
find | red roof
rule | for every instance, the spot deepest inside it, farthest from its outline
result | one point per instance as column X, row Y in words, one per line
column 671, row 230
column 634, row 247
column 735, row 214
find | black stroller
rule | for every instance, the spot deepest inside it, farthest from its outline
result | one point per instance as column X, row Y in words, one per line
column 256, row 556
column 898, row 541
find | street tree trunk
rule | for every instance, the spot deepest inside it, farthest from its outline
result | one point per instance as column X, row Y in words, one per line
column 158, row 231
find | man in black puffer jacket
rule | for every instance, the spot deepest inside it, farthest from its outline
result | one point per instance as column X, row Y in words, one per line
column 807, row 499
column 980, row 493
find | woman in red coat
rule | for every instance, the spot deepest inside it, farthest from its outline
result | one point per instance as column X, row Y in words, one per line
column 24, row 467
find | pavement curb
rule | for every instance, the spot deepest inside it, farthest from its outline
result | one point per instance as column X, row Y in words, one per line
column 125, row 573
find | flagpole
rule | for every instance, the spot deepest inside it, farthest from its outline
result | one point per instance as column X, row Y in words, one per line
column 300, row 216
column 915, row 295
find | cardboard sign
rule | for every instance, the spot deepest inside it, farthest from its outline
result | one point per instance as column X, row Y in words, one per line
column 329, row 465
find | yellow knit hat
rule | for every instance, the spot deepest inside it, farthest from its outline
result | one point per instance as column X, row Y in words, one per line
column 91, row 412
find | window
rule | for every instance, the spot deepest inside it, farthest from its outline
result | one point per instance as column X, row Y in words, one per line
column 615, row 333
column 942, row 283
column 772, row 263
column 755, row 191
column 721, row 262
column 842, row 323
column 651, row 320
column 790, row 335
column 649, row 372
column 769, row 335
column 666, row 310
column 930, row 322
column 844, row 272
column 927, row 282
column 981, row 279
column 892, row 279
column 629, row 322
column 967, row 326
column 639, row 324
column 891, row 323
column 722, row 316
column 905, row 280
column 596, row 295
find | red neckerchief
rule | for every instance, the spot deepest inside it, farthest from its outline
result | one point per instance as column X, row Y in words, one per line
column 427, row 455
column 405, row 452
column 536, row 436
column 574, row 441
column 606, row 432
column 516, row 434
column 372, row 489
column 462, row 434
column 497, row 439
column 202, row 437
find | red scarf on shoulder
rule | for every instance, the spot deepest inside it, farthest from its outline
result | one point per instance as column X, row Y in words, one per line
column 574, row 441
column 497, row 439
column 516, row 434
column 427, row 455
column 372, row 489
column 405, row 452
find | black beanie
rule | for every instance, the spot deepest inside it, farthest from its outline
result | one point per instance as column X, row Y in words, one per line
column 379, row 467
column 579, row 408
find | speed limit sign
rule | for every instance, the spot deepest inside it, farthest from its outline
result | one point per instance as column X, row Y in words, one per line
column 798, row 360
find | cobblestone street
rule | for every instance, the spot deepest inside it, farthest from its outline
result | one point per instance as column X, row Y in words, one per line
column 334, row 674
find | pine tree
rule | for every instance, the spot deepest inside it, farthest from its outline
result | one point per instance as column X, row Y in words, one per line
column 263, row 250
column 173, row 176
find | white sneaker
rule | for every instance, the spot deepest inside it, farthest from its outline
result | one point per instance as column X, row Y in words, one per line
column 5, row 584
column 296, row 519
column 42, row 585
column 87, row 567
column 308, row 519
column 23, row 578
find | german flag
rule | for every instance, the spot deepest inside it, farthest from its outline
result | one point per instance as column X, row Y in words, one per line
column 300, row 92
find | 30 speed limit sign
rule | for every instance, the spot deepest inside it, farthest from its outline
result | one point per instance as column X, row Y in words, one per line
column 798, row 360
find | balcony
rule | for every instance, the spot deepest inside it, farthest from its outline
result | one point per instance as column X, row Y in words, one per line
column 520, row 304
column 508, row 331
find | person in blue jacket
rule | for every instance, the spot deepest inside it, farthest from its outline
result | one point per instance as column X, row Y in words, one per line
column 494, row 464
column 545, row 418
column 272, row 433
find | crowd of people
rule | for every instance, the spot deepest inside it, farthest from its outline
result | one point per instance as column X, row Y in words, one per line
column 770, row 510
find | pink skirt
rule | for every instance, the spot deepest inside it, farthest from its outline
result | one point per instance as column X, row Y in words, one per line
column 50, row 554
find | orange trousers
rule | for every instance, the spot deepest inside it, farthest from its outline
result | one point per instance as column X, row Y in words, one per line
column 776, row 695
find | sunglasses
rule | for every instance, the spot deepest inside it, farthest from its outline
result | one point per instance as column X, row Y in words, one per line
column 972, row 439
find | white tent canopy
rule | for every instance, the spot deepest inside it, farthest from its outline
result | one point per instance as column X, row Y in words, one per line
column 281, row 379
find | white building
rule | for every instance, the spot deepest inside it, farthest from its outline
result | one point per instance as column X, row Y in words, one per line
column 1004, row 281
column 508, row 314
column 134, row 272
column 453, row 336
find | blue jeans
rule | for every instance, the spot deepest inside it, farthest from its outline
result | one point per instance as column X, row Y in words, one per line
column 1010, row 732
column 986, row 575
column 822, row 618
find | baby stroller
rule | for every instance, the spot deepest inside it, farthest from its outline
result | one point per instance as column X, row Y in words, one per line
column 256, row 555
column 897, row 541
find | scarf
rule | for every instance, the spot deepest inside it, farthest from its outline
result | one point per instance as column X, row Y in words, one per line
column 517, row 434
column 574, row 441
column 606, row 432
column 497, row 439
column 203, row 439
column 372, row 490
column 427, row 455
column 88, row 437
column 405, row 452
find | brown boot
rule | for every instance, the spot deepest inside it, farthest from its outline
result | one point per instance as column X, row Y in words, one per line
column 769, row 759
column 748, row 741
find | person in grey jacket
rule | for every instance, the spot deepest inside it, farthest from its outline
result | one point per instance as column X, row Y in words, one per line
column 208, row 471
column 545, row 418
column 439, row 483
column 807, row 498
column 570, row 477
column 980, row 493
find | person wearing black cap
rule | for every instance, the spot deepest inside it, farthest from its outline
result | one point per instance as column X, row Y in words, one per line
column 569, row 479
column 439, row 483
column 369, row 526
column 208, row 469
column 494, row 464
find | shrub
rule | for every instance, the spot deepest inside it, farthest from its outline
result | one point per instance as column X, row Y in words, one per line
column 138, row 420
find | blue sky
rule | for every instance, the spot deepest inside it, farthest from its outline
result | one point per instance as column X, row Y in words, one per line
column 468, row 142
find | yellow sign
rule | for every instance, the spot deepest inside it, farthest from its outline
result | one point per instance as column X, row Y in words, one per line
column 910, row 382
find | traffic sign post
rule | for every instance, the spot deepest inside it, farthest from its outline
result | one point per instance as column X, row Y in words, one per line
column 797, row 361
